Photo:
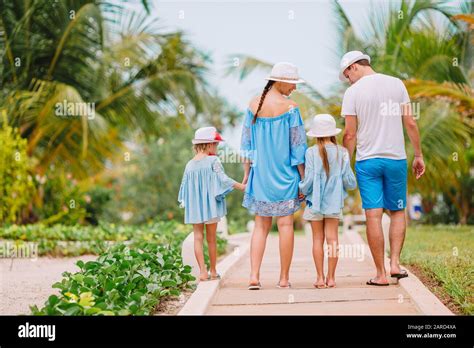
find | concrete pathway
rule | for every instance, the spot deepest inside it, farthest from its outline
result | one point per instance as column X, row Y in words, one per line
column 351, row 296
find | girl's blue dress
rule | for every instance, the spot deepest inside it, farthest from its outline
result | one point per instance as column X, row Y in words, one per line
column 275, row 145
column 203, row 189
column 325, row 195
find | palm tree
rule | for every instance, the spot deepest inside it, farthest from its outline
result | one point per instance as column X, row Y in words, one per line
column 76, row 52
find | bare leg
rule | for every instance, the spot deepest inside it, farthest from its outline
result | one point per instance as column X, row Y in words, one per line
column 396, row 237
column 331, row 227
column 286, row 239
column 257, row 246
column 376, row 242
column 212, row 247
column 318, row 251
column 198, row 249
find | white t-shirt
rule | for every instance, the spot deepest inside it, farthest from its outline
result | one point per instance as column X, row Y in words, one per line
column 376, row 100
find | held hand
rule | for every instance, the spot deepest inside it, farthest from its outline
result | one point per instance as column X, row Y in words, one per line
column 241, row 187
column 418, row 167
column 301, row 196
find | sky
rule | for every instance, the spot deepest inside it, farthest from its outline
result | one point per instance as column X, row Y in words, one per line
column 302, row 32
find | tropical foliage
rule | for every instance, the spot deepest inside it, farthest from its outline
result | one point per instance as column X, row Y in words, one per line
column 16, row 182
column 84, row 81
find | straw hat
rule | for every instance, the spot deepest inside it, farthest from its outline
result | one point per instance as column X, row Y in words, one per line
column 323, row 125
column 285, row 72
column 205, row 135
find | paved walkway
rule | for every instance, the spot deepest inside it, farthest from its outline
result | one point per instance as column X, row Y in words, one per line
column 25, row 282
column 351, row 297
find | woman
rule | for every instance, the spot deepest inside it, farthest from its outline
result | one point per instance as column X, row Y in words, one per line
column 274, row 142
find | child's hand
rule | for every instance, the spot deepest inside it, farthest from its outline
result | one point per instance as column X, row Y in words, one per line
column 301, row 196
column 240, row 186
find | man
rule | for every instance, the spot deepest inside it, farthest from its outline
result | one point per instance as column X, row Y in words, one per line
column 376, row 107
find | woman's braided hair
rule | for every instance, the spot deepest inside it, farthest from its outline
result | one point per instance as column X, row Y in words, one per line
column 267, row 87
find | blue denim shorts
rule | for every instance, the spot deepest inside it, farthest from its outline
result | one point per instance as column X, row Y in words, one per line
column 382, row 183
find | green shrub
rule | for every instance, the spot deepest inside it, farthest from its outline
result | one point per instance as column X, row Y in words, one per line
column 63, row 240
column 16, row 184
column 122, row 281
column 61, row 200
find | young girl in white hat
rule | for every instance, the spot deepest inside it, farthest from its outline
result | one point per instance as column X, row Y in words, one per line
column 328, row 175
column 202, row 195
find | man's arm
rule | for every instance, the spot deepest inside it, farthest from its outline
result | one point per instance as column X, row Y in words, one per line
column 412, row 130
column 350, row 134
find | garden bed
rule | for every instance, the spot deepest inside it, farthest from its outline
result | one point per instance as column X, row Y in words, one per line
column 139, row 270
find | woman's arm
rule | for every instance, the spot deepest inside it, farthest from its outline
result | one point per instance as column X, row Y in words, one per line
column 306, row 183
column 247, row 164
column 301, row 170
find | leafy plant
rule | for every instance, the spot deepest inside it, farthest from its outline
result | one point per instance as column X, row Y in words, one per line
column 122, row 281
column 16, row 184
column 62, row 240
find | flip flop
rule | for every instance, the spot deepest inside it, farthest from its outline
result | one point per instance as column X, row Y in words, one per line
column 330, row 286
column 205, row 280
column 218, row 276
column 257, row 286
column 403, row 274
column 319, row 286
column 284, row 287
column 370, row 282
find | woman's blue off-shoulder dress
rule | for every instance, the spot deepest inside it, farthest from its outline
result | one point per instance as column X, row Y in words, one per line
column 275, row 145
column 203, row 189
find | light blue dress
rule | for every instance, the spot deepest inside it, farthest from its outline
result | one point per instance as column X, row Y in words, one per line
column 325, row 195
column 203, row 189
column 275, row 145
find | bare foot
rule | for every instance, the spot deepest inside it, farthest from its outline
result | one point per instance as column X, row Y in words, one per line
column 319, row 283
column 330, row 282
column 215, row 275
column 254, row 281
column 379, row 280
column 204, row 276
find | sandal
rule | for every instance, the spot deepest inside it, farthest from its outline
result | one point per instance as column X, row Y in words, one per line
column 216, row 277
column 257, row 286
column 205, row 280
column 284, row 287
column 403, row 274
column 319, row 286
column 371, row 282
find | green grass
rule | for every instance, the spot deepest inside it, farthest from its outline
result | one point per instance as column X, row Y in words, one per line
column 445, row 256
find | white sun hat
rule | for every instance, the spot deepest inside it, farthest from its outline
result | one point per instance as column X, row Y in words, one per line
column 285, row 72
column 348, row 59
column 205, row 135
column 323, row 125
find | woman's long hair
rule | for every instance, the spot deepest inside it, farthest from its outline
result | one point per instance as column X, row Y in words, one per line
column 323, row 153
column 267, row 87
